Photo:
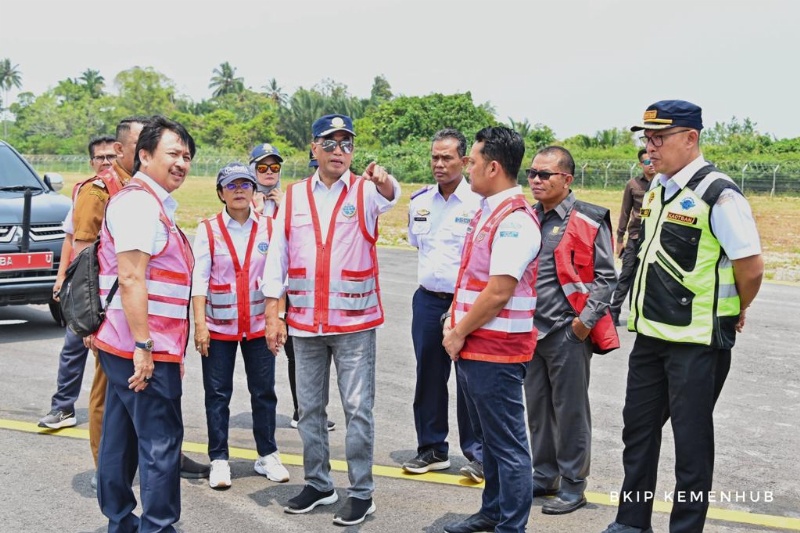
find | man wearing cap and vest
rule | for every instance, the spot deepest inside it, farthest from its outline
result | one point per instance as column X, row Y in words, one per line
column 700, row 267
column 266, row 162
column 576, row 277
column 630, row 222
column 490, row 330
column 230, row 250
column 438, row 217
column 324, row 243
column 142, row 341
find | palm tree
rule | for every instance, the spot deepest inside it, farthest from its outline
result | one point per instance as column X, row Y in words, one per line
column 10, row 76
column 224, row 80
column 523, row 127
column 275, row 93
column 93, row 82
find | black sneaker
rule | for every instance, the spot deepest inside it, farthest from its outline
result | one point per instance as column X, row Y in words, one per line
column 57, row 419
column 309, row 498
column 331, row 424
column 354, row 511
column 473, row 470
column 426, row 461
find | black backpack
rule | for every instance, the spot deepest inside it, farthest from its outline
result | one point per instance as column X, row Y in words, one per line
column 80, row 293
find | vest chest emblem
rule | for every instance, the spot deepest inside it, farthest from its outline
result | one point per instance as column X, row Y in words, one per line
column 348, row 210
column 263, row 247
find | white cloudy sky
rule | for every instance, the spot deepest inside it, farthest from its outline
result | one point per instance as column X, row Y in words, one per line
column 576, row 65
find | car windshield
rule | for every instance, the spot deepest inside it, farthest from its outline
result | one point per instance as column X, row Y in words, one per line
column 14, row 173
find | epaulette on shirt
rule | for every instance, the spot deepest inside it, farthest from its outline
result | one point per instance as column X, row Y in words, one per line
column 99, row 183
column 422, row 190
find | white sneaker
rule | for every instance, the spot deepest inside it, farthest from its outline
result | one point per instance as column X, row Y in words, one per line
column 220, row 476
column 271, row 466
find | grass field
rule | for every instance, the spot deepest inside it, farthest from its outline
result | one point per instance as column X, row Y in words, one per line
column 778, row 219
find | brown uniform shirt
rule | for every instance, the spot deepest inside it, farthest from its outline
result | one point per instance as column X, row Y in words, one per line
column 90, row 204
column 630, row 216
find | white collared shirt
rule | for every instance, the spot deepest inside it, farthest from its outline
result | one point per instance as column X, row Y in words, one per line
column 517, row 240
column 240, row 236
column 133, row 218
column 731, row 219
column 437, row 228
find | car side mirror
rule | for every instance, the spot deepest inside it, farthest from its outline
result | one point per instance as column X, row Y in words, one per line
column 54, row 181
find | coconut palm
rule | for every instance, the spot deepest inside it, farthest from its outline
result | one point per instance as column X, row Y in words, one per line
column 275, row 93
column 10, row 76
column 93, row 82
column 224, row 80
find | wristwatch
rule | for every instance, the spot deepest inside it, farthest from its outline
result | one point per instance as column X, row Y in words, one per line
column 146, row 345
column 282, row 316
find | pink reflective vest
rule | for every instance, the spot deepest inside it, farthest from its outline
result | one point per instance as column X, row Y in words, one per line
column 510, row 337
column 332, row 280
column 234, row 302
column 168, row 277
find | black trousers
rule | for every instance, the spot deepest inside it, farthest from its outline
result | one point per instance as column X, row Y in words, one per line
column 625, row 278
column 681, row 383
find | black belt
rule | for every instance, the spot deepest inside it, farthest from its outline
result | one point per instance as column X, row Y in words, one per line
column 440, row 295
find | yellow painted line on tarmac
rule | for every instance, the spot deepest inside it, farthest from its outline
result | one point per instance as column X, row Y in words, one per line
column 726, row 515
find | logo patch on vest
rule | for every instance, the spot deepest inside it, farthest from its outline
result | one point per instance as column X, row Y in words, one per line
column 423, row 212
column 348, row 210
column 687, row 203
column 555, row 230
column 651, row 197
column 262, row 247
column 644, row 213
column 512, row 234
column 685, row 219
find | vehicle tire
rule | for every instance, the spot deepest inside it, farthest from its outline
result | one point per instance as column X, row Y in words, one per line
column 55, row 311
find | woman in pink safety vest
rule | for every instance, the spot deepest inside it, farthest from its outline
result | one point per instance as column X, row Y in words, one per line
column 266, row 162
column 230, row 250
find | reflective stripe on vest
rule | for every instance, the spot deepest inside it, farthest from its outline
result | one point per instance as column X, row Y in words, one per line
column 333, row 283
column 168, row 281
column 684, row 289
column 234, row 304
column 510, row 337
column 574, row 262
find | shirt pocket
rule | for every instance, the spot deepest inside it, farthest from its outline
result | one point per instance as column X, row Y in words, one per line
column 420, row 227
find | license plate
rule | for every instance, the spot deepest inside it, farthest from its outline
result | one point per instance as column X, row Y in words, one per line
column 31, row 261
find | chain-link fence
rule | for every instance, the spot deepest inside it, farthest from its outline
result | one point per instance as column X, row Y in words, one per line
column 775, row 177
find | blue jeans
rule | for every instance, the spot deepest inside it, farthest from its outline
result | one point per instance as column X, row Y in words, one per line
column 354, row 357
column 495, row 391
column 259, row 365
column 71, row 364
column 433, row 371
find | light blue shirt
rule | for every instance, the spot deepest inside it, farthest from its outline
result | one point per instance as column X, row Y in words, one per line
column 437, row 228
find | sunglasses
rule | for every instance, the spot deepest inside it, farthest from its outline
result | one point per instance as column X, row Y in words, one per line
column 245, row 186
column 108, row 158
column 329, row 145
column 646, row 162
column 543, row 174
column 274, row 168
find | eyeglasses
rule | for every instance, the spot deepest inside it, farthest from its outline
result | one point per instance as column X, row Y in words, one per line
column 245, row 186
column 274, row 168
column 658, row 140
column 646, row 162
column 109, row 158
column 329, row 145
column 543, row 174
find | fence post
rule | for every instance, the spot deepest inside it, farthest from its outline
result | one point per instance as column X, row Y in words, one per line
column 605, row 185
column 583, row 169
column 630, row 172
column 743, row 169
column 774, row 173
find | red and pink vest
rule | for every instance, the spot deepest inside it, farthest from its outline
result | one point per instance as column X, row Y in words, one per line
column 332, row 280
column 168, row 277
column 510, row 337
column 234, row 302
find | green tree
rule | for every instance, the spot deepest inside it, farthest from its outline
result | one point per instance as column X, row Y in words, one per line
column 381, row 91
column 224, row 80
column 10, row 76
column 275, row 93
column 93, row 82
column 144, row 91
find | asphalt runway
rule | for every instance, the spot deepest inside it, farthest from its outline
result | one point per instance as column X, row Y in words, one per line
column 45, row 475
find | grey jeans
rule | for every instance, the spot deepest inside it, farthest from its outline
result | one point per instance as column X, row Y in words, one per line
column 354, row 357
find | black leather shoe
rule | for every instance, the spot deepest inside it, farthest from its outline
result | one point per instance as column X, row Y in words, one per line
column 191, row 469
column 563, row 503
column 538, row 491
column 616, row 527
column 476, row 522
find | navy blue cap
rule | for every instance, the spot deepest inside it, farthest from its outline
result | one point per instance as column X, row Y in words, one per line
column 671, row 114
column 264, row 150
column 234, row 171
column 328, row 124
column 312, row 161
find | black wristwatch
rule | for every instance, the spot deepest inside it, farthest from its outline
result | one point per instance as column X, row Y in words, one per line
column 146, row 345
column 444, row 317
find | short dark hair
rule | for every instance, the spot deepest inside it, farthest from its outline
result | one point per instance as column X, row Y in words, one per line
column 152, row 132
column 503, row 145
column 565, row 161
column 124, row 125
column 452, row 133
column 100, row 139
column 642, row 152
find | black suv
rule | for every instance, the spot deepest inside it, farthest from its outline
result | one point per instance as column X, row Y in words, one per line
column 31, row 233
